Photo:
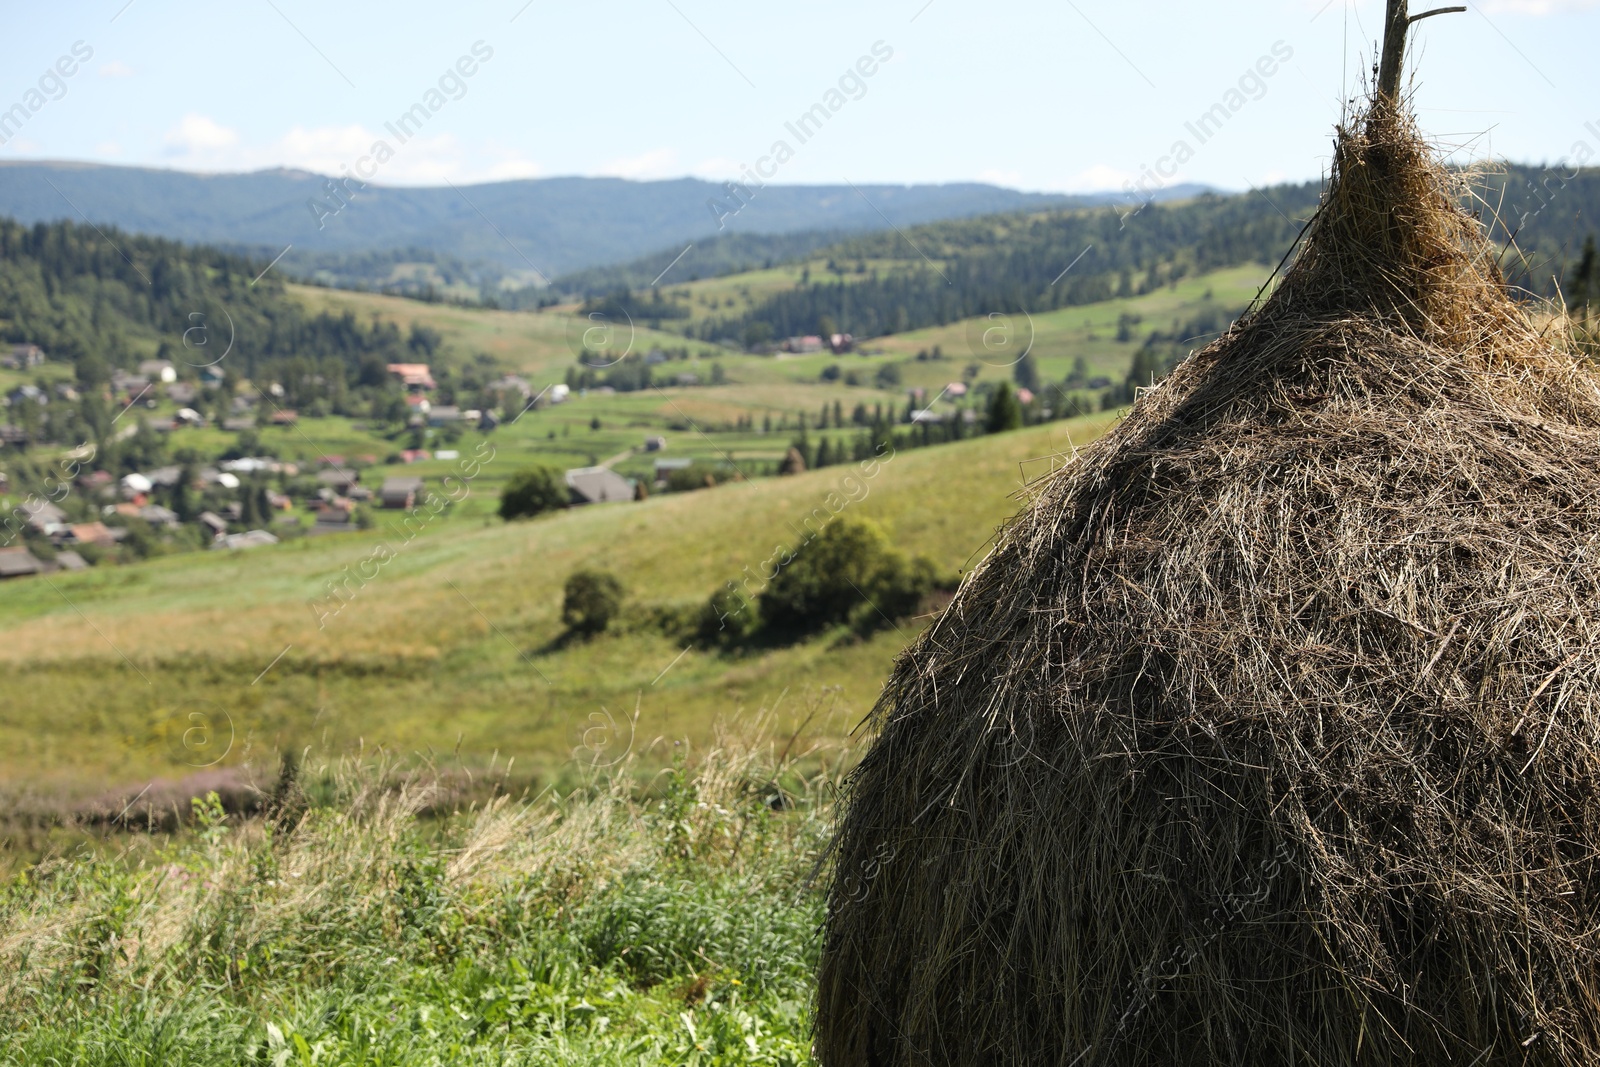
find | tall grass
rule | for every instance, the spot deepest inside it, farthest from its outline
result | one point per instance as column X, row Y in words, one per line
column 663, row 920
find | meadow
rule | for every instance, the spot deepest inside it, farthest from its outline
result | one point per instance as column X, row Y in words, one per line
column 454, row 645
column 366, row 920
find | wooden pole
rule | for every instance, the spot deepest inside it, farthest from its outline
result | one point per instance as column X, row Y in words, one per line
column 1394, row 50
column 1396, row 23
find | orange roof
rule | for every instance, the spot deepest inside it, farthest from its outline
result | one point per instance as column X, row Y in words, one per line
column 91, row 533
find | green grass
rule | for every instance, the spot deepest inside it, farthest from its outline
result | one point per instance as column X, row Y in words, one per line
column 671, row 923
column 452, row 646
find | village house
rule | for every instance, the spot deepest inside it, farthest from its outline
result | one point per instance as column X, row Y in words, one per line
column 414, row 376
column 22, row 357
column 92, row 533
column 156, row 515
column 19, row 563
column 43, row 516
column 158, row 370
column 597, row 485
column 400, row 492
column 334, row 518
column 665, row 468
column 512, row 383
column 251, row 539
column 339, row 479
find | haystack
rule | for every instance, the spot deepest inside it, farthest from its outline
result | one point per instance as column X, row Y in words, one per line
column 1269, row 732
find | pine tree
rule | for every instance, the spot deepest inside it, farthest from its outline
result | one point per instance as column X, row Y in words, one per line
column 1004, row 411
column 1586, row 287
column 1026, row 373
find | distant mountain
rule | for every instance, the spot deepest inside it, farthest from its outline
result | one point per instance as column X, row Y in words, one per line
column 545, row 225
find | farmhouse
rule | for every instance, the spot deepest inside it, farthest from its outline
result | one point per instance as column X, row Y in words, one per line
column 334, row 518
column 18, row 563
column 414, row 376
column 158, row 370
column 251, row 539
column 597, row 485
column 91, row 533
column 339, row 479
column 44, row 516
column 22, row 357
column 400, row 492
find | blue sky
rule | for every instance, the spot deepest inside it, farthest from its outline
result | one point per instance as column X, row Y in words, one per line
column 1066, row 95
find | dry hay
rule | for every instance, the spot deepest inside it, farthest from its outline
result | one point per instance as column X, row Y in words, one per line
column 1268, row 732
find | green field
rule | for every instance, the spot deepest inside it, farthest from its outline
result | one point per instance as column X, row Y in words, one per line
column 453, row 643
column 699, row 421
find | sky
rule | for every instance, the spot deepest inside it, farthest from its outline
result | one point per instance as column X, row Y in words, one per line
column 1061, row 96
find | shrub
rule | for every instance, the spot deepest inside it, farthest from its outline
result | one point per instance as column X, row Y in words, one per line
column 533, row 492
column 591, row 601
column 698, row 476
column 728, row 616
column 848, row 573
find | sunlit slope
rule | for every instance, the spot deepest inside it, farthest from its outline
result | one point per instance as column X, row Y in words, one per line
column 452, row 642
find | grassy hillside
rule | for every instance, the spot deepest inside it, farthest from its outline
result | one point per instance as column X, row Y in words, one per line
column 671, row 925
column 454, row 642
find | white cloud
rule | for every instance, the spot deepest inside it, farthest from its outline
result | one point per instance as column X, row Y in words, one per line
column 1097, row 179
column 1010, row 178
column 108, row 148
column 324, row 149
column 200, row 143
column 512, row 169
column 659, row 163
column 116, row 69
column 197, row 135
column 717, row 169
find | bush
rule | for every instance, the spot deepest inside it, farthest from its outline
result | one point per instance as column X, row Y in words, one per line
column 593, row 599
column 727, row 617
column 848, row 573
column 698, row 476
column 533, row 492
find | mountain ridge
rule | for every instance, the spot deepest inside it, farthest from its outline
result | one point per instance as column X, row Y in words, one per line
column 537, row 227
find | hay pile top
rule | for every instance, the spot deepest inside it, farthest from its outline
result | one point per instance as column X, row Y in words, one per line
column 1269, row 732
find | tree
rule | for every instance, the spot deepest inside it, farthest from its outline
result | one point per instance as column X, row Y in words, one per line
column 888, row 376
column 591, row 600
column 1026, row 373
column 533, row 492
column 850, row 572
column 1144, row 370
column 1004, row 411
column 1586, row 287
